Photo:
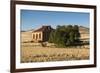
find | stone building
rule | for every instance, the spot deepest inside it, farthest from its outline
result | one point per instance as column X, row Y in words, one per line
column 42, row 34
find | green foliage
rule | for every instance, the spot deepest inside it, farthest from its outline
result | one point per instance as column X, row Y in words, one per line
column 65, row 35
column 77, row 34
column 52, row 37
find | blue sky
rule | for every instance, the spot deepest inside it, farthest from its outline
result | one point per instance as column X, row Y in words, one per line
column 32, row 19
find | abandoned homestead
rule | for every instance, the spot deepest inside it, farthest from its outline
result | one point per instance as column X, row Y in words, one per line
column 42, row 34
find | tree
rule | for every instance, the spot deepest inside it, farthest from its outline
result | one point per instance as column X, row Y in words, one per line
column 65, row 35
column 77, row 34
column 52, row 37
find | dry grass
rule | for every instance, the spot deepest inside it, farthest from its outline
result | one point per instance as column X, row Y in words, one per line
column 44, row 54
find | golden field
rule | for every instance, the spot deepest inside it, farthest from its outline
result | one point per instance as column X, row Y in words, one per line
column 31, row 53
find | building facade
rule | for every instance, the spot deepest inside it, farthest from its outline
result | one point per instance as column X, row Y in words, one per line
column 42, row 34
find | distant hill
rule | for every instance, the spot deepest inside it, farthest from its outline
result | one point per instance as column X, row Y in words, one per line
column 84, row 32
column 83, row 29
column 26, row 36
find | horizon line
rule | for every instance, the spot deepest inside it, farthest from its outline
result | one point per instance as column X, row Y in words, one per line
column 54, row 28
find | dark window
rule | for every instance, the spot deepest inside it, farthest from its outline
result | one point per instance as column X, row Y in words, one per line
column 33, row 36
column 39, row 36
column 36, row 36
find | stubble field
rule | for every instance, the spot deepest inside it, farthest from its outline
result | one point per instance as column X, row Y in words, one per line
column 45, row 54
